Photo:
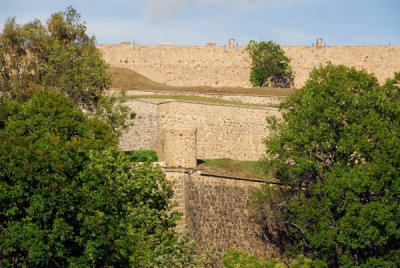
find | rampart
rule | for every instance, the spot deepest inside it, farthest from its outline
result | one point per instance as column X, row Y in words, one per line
column 229, row 65
column 216, row 214
column 222, row 131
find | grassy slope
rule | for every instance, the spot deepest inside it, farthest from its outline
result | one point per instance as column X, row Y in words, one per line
column 130, row 80
column 229, row 167
column 192, row 98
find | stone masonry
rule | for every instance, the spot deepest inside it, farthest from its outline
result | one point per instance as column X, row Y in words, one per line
column 216, row 214
column 178, row 147
column 222, row 131
column 230, row 66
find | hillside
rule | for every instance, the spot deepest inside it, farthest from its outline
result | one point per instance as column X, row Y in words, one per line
column 130, row 80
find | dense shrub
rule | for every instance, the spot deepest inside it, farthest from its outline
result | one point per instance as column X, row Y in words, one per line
column 68, row 196
column 337, row 154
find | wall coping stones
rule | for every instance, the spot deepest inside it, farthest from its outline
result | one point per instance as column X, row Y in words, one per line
column 177, row 170
column 207, row 103
column 195, row 93
column 230, row 177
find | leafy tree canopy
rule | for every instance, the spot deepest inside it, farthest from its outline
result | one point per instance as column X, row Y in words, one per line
column 269, row 65
column 68, row 196
column 61, row 56
column 234, row 258
column 337, row 154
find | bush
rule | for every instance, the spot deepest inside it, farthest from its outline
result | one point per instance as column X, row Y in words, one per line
column 142, row 155
column 269, row 65
column 70, row 197
column 337, row 154
column 234, row 258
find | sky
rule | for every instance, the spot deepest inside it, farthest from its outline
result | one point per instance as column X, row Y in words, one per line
column 197, row 22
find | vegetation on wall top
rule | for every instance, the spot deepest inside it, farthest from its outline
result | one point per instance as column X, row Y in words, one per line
column 269, row 65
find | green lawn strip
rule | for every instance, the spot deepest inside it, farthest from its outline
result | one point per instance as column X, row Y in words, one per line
column 193, row 98
column 142, row 155
column 235, row 168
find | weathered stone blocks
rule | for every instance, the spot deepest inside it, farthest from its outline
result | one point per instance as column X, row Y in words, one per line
column 216, row 214
column 230, row 65
column 223, row 131
column 178, row 147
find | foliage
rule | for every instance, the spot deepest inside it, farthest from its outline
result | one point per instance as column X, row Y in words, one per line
column 337, row 153
column 186, row 252
column 142, row 155
column 269, row 65
column 239, row 258
column 69, row 197
column 58, row 55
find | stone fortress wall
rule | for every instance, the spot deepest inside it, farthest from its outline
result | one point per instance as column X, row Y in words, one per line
column 219, row 130
column 216, row 214
column 214, row 208
column 230, row 66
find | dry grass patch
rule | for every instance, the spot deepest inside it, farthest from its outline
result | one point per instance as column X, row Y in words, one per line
column 235, row 168
column 130, row 80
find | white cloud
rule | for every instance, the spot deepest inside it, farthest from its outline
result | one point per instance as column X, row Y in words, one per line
column 162, row 10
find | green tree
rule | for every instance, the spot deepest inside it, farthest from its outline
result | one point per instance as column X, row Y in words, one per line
column 336, row 153
column 269, row 65
column 61, row 56
column 70, row 197
column 234, row 258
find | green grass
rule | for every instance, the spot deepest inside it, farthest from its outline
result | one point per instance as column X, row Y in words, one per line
column 193, row 98
column 130, row 80
column 229, row 167
column 142, row 155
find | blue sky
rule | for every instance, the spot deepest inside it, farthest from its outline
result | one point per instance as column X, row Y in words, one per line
column 196, row 22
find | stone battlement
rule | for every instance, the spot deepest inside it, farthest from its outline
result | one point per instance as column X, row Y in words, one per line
column 222, row 66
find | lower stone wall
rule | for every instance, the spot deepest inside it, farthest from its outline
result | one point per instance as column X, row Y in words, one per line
column 179, row 180
column 216, row 213
column 223, row 131
column 144, row 132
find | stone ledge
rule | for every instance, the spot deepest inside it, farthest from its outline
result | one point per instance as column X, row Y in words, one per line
column 207, row 103
column 179, row 170
column 196, row 93
column 230, row 177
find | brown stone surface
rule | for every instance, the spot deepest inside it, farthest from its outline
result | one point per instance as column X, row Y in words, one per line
column 223, row 131
column 215, row 213
column 177, row 147
column 229, row 65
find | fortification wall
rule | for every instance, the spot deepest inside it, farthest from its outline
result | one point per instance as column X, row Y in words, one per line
column 144, row 132
column 223, row 131
column 215, row 213
column 230, row 66
column 178, row 147
column 243, row 98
